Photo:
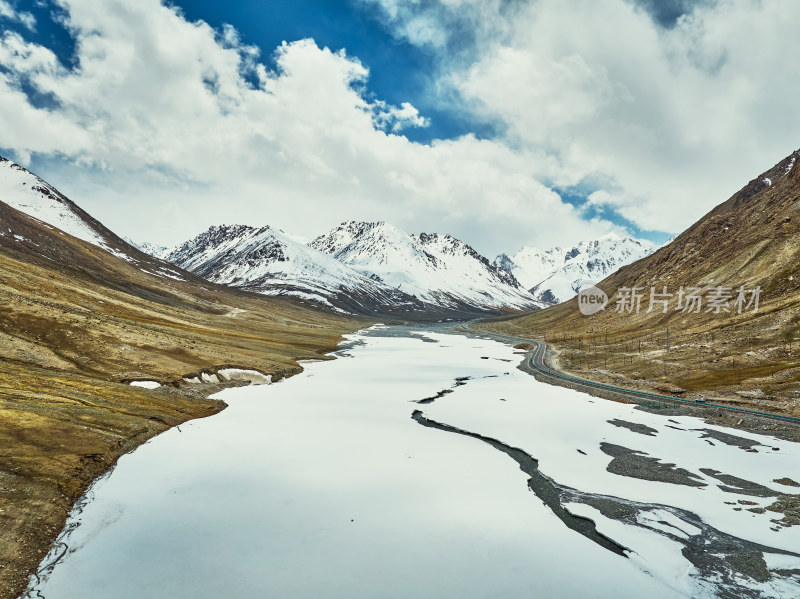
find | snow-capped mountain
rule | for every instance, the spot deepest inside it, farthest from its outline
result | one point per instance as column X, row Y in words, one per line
column 530, row 266
column 153, row 249
column 438, row 269
column 357, row 267
column 269, row 262
column 24, row 191
column 30, row 195
column 557, row 274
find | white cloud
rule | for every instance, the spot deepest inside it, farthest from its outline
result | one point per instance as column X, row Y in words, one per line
column 448, row 23
column 7, row 11
column 672, row 121
column 393, row 118
column 174, row 126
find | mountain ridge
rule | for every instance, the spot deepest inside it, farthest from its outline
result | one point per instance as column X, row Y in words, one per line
column 359, row 267
column 557, row 274
column 265, row 260
column 438, row 269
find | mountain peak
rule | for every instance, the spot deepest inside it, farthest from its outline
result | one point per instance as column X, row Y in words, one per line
column 436, row 268
column 223, row 240
column 374, row 234
column 22, row 190
column 556, row 274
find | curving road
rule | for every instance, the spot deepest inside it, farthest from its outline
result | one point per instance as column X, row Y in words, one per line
column 535, row 361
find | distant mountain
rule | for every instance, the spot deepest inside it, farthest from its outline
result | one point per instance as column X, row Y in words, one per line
column 531, row 266
column 439, row 270
column 364, row 268
column 740, row 330
column 267, row 261
column 557, row 274
column 155, row 250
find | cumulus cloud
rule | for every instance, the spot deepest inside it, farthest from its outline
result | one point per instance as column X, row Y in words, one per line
column 166, row 126
column 393, row 118
column 665, row 107
column 7, row 11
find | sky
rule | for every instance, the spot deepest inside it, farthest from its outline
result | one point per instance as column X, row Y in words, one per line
column 503, row 122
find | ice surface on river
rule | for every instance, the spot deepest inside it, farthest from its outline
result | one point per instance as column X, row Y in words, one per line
column 553, row 423
column 323, row 486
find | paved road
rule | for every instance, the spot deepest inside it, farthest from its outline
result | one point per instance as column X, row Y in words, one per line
column 535, row 360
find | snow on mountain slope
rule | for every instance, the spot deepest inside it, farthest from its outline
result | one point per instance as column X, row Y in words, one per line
column 24, row 191
column 268, row 261
column 530, row 266
column 437, row 269
column 557, row 274
column 152, row 249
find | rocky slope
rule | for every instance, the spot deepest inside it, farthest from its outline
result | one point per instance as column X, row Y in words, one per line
column 23, row 191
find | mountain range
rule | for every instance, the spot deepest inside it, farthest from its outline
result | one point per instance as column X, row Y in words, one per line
column 362, row 267
column 266, row 261
column 357, row 267
column 557, row 274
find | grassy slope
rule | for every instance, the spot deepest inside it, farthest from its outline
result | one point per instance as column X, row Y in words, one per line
column 752, row 239
column 75, row 322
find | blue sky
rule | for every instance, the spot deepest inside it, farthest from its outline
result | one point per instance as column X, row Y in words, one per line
column 504, row 122
column 399, row 71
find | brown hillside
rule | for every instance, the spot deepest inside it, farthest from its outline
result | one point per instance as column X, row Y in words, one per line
column 750, row 359
column 76, row 322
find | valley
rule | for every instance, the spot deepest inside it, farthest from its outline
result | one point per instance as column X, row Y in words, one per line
column 106, row 346
column 83, row 315
column 745, row 359
column 501, row 485
column 389, row 298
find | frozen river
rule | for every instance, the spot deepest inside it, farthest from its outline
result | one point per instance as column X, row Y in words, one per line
column 325, row 486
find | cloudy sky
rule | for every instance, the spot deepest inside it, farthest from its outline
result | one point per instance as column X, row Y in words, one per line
column 504, row 122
